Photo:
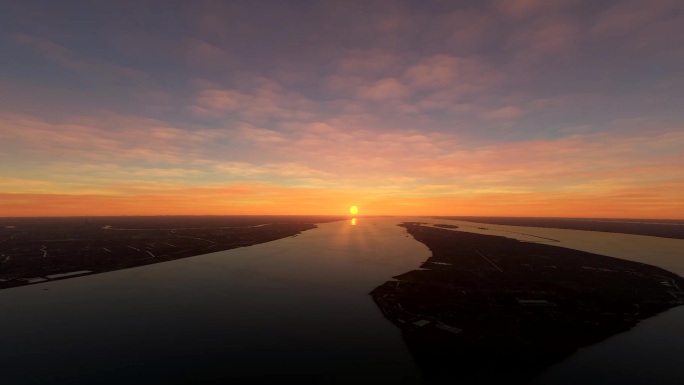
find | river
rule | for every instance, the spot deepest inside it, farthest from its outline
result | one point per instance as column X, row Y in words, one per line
column 293, row 310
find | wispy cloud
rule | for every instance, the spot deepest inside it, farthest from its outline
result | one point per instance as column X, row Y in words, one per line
column 69, row 59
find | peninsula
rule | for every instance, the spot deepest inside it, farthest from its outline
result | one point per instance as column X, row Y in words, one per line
column 486, row 308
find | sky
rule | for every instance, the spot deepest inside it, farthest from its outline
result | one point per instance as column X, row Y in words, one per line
column 562, row 108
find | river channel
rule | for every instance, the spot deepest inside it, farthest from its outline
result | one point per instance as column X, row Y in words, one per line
column 293, row 310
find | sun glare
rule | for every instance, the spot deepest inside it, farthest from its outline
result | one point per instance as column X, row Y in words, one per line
column 353, row 210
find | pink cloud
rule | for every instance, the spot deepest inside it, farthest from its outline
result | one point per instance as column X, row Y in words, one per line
column 583, row 160
column 505, row 113
column 260, row 135
column 263, row 99
column 628, row 16
column 344, row 83
column 544, row 37
column 462, row 29
column 286, row 169
column 451, row 78
column 384, row 89
column 443, row 70
column 524, row 8
column 107, row 136
column 202, row 54
column 365, row 62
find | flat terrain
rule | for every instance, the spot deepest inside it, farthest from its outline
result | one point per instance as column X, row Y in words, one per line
column 489, row 308
column 34, row 250
column 664, row 228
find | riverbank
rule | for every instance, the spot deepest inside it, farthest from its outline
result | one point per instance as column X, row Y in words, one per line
column 37, row 250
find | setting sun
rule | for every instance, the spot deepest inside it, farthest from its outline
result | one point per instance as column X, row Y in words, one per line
column 353, row 210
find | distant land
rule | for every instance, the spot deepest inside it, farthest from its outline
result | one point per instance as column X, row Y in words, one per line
column 664, row 228
column 490, row 309
column 35, row 250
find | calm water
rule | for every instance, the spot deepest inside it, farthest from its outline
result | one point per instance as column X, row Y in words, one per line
column 294, row 310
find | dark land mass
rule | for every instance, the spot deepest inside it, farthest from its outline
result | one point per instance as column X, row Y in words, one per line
column 446, row 226
column 664, row 228
column 489, row 309
column 34, row 250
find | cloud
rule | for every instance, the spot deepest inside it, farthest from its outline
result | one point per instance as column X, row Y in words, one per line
column 261, row 135
column 103, row 137
column 24, row 185
column 201, row 54
column 525, row 8
column 66, row 58
column 505, row 113
column 461, row 31
column 547, row 36
column 288, row 170
column 382, row 90
column 444, row 70
column 49, row 49
column 256, row 103
column 633, row 15
column 446, row 80
column 367, row 62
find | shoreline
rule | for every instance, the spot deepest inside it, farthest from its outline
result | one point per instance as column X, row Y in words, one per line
column 673, row 229
column 39, row 250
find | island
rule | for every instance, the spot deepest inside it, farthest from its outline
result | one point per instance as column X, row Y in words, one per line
column 490, row 309
column 36, row 250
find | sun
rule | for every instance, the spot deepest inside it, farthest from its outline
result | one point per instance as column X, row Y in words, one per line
column 353, row 210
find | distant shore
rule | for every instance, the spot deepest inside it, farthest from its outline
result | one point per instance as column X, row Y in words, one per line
column 664, row 228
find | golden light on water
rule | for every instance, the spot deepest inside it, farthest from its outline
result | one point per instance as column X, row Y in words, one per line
column 353, row 210
column 353, row 222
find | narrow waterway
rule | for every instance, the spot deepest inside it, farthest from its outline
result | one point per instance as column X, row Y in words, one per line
column 296, row 310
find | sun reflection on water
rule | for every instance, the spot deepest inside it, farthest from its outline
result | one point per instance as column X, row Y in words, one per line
column 353, row 221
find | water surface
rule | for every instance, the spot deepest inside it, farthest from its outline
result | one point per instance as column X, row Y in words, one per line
column 292, row 310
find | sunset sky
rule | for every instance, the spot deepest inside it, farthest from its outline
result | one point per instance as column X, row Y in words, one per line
column 511, row 108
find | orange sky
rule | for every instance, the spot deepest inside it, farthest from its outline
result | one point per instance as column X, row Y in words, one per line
column 260, row 199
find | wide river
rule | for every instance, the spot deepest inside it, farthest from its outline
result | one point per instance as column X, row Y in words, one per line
column 295, row 310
